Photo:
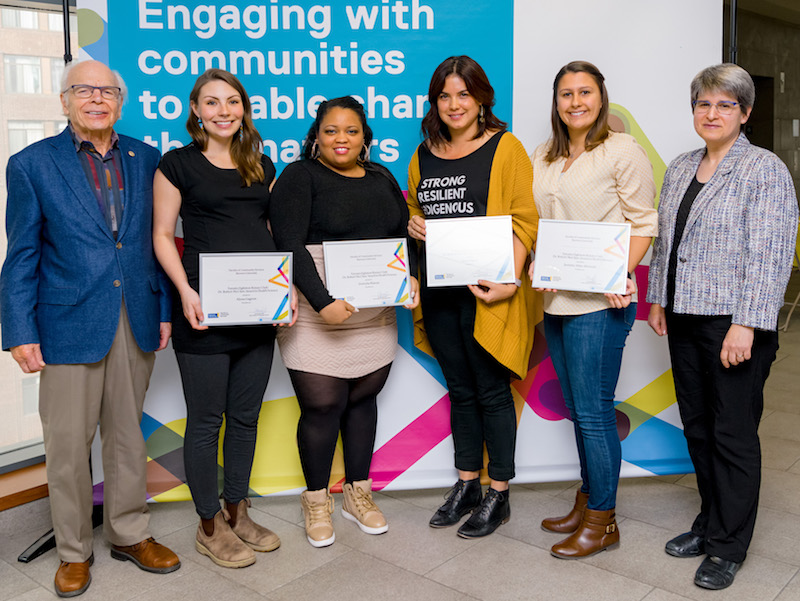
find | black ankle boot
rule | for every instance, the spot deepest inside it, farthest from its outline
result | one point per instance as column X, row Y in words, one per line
column 493, row 511
column 462, row 498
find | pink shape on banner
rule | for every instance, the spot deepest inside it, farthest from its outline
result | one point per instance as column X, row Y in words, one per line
column 544, row 396
column 412, row 443
column 643, row 308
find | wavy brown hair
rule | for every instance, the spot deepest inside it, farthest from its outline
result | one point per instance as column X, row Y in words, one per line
column 245, row 149
column 559, row 147
column 477, row 85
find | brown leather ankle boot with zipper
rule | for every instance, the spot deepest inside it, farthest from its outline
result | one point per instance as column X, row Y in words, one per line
column 570, row 522
column 597, row 532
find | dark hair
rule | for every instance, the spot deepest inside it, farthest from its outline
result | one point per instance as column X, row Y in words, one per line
column 245, row 150
column 477, row 85
column 343, row 102
column 559, row 147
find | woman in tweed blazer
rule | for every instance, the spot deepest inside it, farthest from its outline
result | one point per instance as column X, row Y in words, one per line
column 727, row 225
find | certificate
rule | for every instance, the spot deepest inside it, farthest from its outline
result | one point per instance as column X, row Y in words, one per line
column 368, row 273
column 245, row 288
column 464, row 250
column 584, row 256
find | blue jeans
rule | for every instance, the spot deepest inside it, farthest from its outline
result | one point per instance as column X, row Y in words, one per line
column 586, row 351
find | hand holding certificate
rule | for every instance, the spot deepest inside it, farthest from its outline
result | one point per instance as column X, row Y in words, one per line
column 582, row 256
column 463, row 250
column 245, row 288
column 368, row 273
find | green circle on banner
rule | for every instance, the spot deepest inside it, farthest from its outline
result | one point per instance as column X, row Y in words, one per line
column 91, row 27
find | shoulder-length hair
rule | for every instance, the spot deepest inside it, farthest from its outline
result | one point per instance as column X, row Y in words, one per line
column 245, row 148
column 559, row 146
column 479, row 88
column 343, row 102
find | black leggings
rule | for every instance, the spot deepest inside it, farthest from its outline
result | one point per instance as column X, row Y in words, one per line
column 328, row 405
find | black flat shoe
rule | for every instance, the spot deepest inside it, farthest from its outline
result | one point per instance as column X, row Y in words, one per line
column 462, row 498
column 716, row 573
column 493, row 511
column 687, row 544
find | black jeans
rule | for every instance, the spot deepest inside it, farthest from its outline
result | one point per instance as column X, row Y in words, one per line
column 721, row 409
column 232, row 384
column 481, row 404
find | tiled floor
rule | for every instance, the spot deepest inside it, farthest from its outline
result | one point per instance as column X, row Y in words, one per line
column 415, row 562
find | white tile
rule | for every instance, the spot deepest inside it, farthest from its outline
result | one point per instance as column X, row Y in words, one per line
column 359, row 577
column 501, row 568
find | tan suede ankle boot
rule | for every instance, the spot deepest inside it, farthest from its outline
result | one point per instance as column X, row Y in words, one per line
column 254, row 535
column 223, row 547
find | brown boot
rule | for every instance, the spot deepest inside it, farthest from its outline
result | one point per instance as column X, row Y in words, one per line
column 254, row 535
column 223, row 547
column 570, row 522
column 597, row 532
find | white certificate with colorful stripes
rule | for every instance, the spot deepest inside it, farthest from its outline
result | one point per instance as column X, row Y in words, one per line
column 463, row 250
column 368, row 273
column 245, row 288
column 584, row 256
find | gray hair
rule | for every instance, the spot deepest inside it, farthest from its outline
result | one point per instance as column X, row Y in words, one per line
column 729, row 78
column 120, row 82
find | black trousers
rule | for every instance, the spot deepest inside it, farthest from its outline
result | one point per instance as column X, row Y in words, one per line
column 230, row 384
column 721, row 410
column 481, row 403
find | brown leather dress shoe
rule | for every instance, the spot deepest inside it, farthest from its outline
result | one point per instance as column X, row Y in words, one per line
column 149, row 555
column 73, row 578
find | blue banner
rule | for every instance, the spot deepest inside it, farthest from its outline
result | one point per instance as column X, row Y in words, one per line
column 292, row 55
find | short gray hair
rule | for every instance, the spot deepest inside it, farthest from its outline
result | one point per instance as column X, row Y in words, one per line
column 729, row 78
column 120, row 82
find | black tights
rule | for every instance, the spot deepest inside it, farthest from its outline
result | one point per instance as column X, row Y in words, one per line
column 328, row 405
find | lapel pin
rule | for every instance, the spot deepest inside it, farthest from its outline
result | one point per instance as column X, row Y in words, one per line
column 131, row 153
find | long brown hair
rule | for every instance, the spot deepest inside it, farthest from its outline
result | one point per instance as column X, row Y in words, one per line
column 477, row 85
column 559, row 147
column 245, row 149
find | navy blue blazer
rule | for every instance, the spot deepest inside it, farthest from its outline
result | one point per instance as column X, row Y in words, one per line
column 65, row 276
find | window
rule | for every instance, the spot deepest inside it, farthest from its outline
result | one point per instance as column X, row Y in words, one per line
column 23, row 74
column 16, row 18
column 55, row 22
column 23, row 133
column 56, row 71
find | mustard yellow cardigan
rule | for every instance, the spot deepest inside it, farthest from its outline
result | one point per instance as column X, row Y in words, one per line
column 504, row 328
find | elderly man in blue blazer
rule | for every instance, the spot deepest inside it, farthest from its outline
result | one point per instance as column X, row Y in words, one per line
column 83, row 302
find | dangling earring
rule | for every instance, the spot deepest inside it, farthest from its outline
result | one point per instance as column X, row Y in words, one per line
column 481, row 118
column 365, row 153
column 241, row 132
column 200, row 122
column 314, row 151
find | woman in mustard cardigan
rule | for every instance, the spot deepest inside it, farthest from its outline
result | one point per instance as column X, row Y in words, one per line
column 481, row 334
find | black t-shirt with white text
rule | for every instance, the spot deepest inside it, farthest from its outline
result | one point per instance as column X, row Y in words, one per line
column 455, row 187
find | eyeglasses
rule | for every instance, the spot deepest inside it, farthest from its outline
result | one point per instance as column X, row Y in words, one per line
column 724, row 107
column 84, row 91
